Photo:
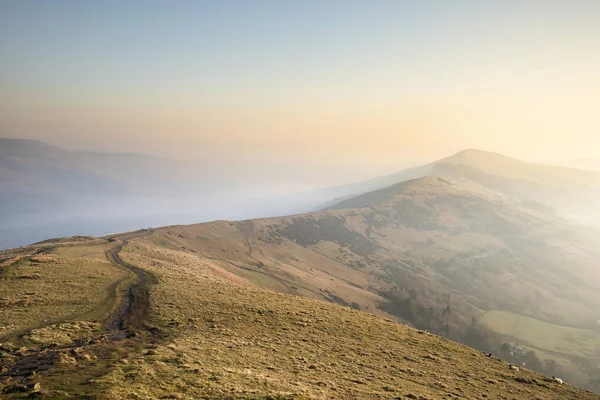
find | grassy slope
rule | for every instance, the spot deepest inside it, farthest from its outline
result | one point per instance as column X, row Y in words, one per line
column 230, row 340
column 435, row 237
column 211, row 334
column 427, row 241
column 54, row 284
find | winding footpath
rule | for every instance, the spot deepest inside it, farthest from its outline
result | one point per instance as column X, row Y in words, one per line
column 129, row 317
column 134, row 306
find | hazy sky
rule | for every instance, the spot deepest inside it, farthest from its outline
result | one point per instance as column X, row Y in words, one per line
column 368, row 84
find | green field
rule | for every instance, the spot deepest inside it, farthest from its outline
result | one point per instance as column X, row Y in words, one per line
column 544, row 336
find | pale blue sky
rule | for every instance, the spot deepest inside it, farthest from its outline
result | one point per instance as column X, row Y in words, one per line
column 350, row 82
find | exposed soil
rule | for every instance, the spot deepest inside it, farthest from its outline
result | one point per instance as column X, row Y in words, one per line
column 134, row 306
column 19, row 366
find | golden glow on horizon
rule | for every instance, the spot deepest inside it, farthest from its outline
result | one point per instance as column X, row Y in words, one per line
column 538, row 125
column 506, row 80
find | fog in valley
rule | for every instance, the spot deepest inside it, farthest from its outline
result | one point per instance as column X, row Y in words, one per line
column 429, row 164
column 50, row 192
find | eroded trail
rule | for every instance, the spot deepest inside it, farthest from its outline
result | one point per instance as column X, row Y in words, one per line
column 22, row 367
column 134, row 306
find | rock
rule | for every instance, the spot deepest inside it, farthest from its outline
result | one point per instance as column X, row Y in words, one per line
column 88, row 357
column 36, row 388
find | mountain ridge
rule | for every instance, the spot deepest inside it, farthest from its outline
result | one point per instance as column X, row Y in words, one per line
column 569, row 191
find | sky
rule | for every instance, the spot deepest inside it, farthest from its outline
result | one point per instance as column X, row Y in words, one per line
column 364, row 87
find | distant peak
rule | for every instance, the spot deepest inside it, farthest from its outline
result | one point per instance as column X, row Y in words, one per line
column 480, row 158
column 477, row 153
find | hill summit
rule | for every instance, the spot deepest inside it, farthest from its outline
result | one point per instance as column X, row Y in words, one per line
column 571, row 192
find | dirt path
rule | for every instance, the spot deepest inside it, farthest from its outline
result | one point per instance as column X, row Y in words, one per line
column 134, row 306
column 19, row 365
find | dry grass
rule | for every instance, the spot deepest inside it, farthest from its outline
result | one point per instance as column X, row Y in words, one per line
column 66, row 283
column 211, row 334
column 226, row 340
column 422, row 248
column 64, row 333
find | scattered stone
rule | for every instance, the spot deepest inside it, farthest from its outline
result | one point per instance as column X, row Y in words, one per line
column 359, row 381
column 36, row 387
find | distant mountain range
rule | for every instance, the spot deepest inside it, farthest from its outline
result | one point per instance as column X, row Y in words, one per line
column 36, row 167
column 48, row 191
column 572, row 192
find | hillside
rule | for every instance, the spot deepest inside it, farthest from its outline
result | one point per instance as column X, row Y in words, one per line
column 188, row 328
column 573, row 192
column 427, row 252
column 453, row 255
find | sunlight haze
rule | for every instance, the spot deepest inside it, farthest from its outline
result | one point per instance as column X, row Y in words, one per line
column 300, row 199
column 336, row 83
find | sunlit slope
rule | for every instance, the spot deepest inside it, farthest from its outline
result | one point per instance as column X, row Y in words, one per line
column 47, row 285
column 427, row 235
column 213, row 310
column 428, row 252
column 229, row 339
column 208, row 333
